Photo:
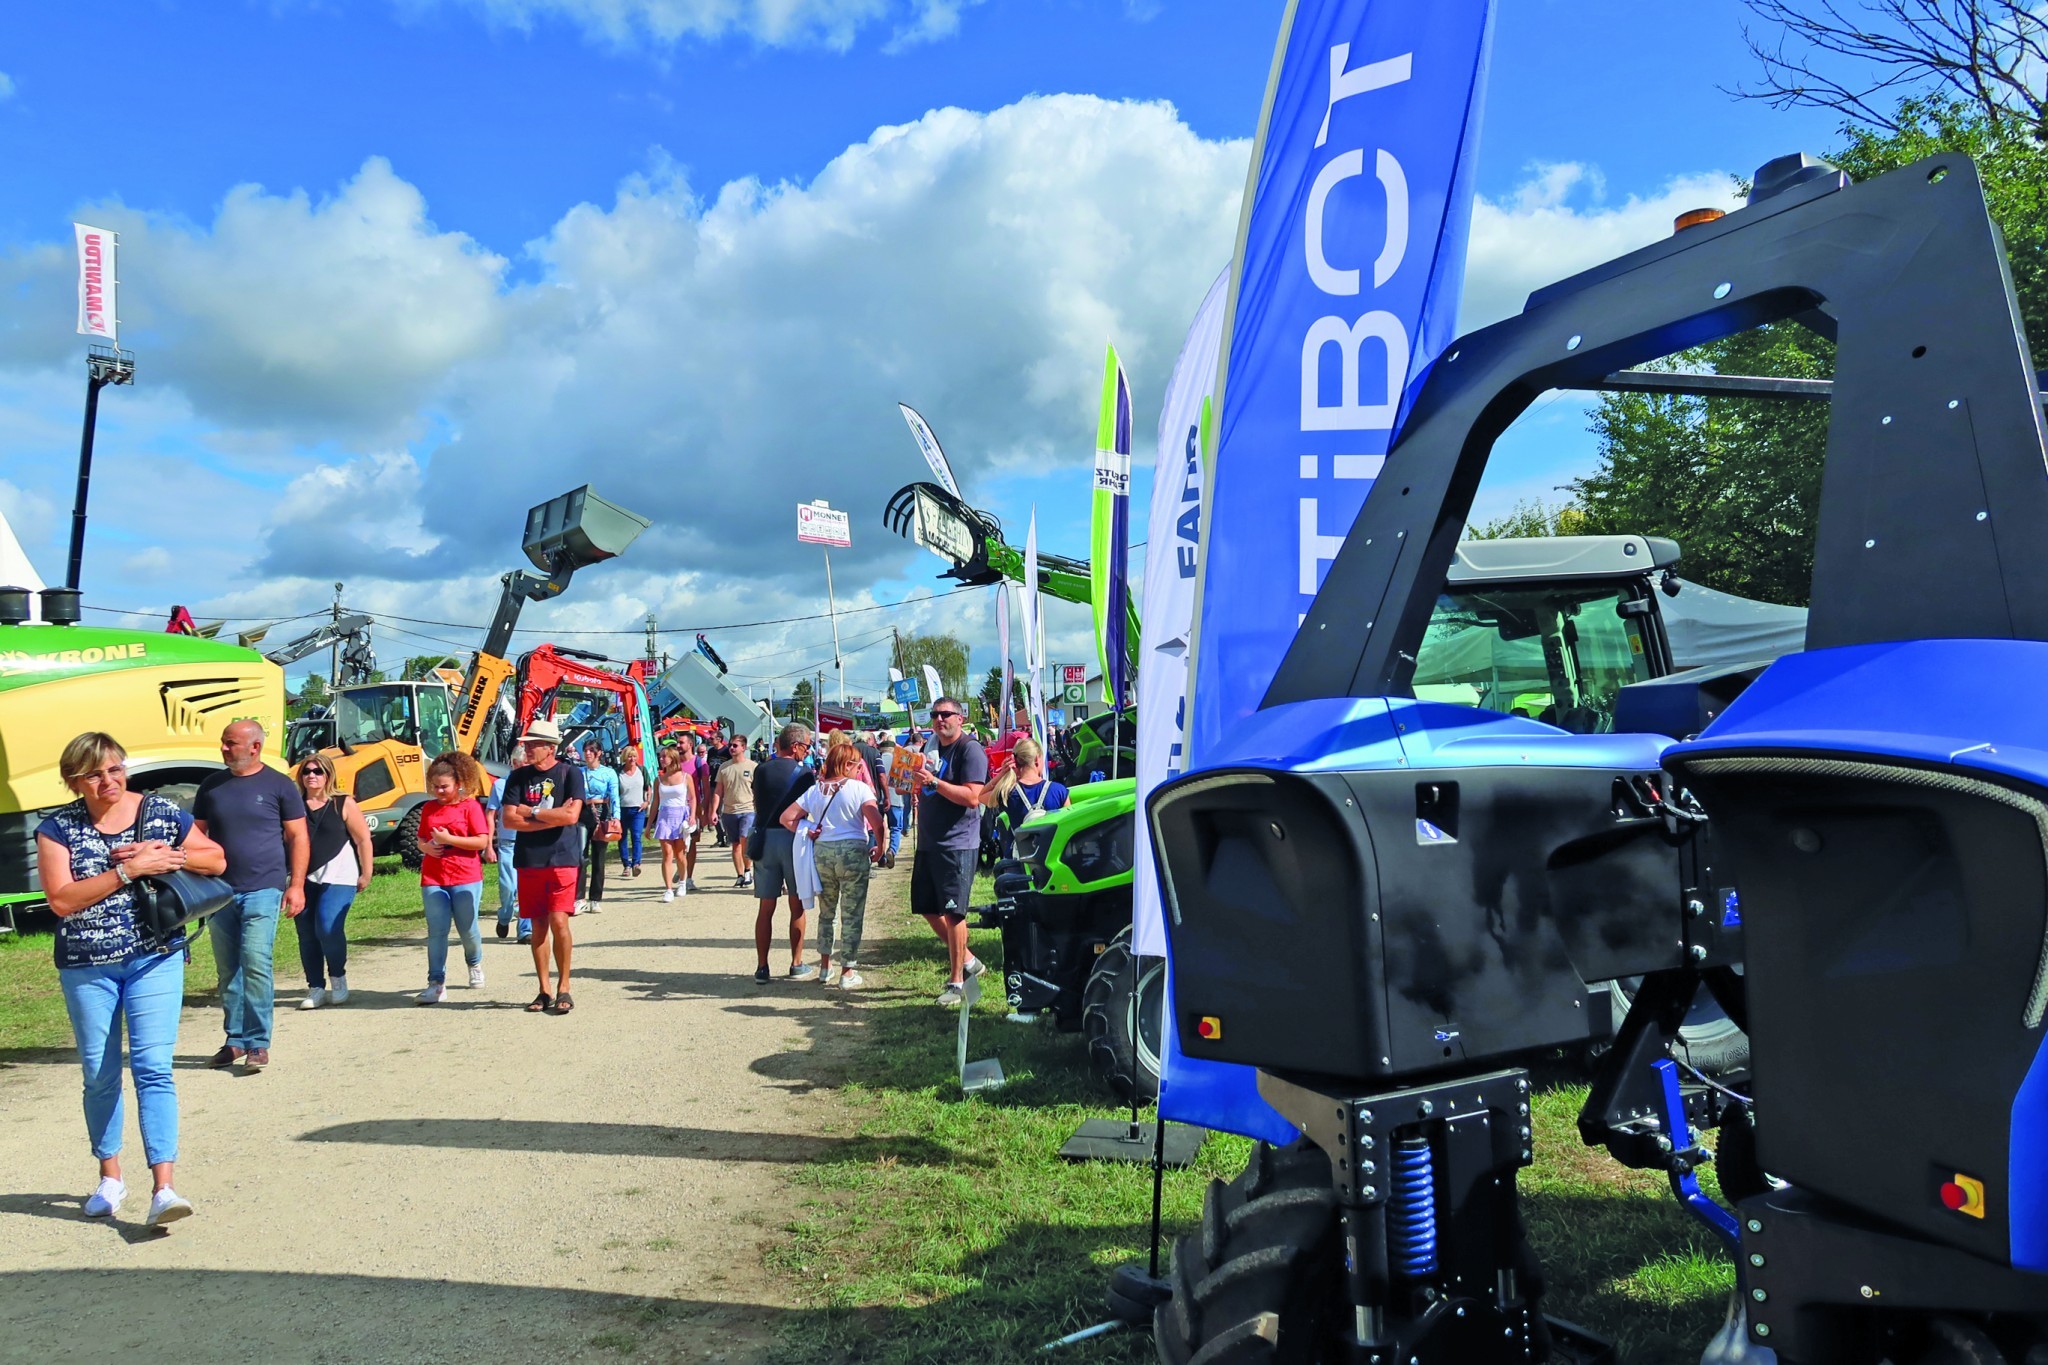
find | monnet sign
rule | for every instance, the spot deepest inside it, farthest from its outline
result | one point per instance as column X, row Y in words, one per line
column 817, row 525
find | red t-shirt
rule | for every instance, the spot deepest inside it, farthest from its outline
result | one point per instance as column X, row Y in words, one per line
column 452, row 866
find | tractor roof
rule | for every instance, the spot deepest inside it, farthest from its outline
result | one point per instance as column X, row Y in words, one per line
column 1494, row 561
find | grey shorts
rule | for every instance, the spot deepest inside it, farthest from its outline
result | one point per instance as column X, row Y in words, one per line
column 775, row 869
column 737, row 827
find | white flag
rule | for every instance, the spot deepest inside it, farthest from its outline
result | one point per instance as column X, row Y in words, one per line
column 96, row 282
column 895, row 674
column 928, row 442
column 1166, row 612
column 1034, row 628
column 931, row 680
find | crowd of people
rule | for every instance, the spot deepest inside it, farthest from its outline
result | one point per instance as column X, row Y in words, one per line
column 805, row 825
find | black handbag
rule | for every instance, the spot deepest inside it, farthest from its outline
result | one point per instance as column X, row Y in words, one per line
column 170, row 903
column 757, row 843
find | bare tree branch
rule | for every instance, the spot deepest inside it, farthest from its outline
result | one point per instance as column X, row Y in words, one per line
column 1862, row 57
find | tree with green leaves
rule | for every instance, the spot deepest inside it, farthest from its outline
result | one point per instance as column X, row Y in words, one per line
column 1736, row 481
column 803, row 703
column 945, row 653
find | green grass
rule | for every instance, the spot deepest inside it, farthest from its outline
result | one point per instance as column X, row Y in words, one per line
column 32, row 1019
column 948, row 1227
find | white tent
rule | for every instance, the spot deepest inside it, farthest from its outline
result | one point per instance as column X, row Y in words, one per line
column 15, row 570
column 1709, row 629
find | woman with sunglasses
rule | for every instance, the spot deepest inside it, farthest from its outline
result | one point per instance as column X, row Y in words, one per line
column 340, row 863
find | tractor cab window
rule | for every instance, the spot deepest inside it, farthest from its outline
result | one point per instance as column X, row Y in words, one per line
column 370, row 715
column 1555, row 654
column 436, row 732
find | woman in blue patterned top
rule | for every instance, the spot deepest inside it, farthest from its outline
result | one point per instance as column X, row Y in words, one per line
column 88, row 854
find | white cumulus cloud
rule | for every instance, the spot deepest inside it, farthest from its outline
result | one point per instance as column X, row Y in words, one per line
column 6, row 86
column 1560, row 221
column 314, row 316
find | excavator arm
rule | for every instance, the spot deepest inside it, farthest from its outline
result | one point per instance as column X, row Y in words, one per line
column 544, row 671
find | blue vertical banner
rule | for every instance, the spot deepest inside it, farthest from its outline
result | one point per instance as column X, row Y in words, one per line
column 1345, row 288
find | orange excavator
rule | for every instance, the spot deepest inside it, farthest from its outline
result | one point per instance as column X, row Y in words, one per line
column 606, row 700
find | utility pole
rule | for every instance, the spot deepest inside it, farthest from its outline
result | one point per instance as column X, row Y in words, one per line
column 334, row 650
column 652, row 644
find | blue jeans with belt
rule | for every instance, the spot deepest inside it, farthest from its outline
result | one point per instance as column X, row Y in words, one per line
column 147, row 991
column 244, row 937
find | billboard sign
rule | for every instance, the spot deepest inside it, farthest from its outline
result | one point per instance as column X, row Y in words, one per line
column 817, row 524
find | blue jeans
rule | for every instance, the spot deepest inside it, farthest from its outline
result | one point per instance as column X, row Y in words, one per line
column 899, row 820
column 508, row 887
column 632, row 824
column 148, row 990
column 323, row 936
column 457, row 904
column 244, row 936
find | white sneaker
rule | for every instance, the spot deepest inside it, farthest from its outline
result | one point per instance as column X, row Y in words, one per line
column 107, row 1197
column 581, row 907
column 668, row 895
column 953, row 994
column 165, row 1206
column 476, row 976
column 850, row 980
column 434, row 994
column 316, row 996
column 337, row 990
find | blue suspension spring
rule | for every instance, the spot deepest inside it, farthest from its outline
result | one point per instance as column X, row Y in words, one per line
column 1411, row 1212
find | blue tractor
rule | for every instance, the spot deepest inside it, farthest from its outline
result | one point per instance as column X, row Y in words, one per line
column 1389, row 905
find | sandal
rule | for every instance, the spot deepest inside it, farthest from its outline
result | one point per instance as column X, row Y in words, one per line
column 563, row 1004
column 541, row 1003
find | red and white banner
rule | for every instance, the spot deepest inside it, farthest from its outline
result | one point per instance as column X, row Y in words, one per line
column 96, row 315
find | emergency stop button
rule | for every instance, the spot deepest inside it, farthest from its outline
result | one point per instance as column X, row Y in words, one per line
column 1963, row 1194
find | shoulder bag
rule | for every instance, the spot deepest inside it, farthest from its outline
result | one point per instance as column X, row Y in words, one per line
column 170, row 903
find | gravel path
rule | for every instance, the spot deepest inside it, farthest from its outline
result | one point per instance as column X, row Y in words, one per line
column 462, row 1181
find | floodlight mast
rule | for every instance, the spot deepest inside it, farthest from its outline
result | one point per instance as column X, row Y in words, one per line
column 104, row 365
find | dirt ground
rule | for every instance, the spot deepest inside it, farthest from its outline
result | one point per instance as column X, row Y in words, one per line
column 454, row 1182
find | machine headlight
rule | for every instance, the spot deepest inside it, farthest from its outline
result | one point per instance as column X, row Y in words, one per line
column 1102, row 851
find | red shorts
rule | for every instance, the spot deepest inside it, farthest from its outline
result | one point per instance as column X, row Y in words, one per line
column 546, row 891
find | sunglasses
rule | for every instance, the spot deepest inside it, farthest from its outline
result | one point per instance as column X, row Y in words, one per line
column 949, row 715
column 310, row 771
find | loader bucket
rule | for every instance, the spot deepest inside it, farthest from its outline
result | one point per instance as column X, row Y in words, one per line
column 578, row 529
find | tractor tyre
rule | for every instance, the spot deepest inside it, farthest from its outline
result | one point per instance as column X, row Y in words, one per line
column 1262, row 1280
column 407, row 841
column 1714, row 1045
column 1120, row 1017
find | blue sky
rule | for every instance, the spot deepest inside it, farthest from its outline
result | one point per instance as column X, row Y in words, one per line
column 397, row 268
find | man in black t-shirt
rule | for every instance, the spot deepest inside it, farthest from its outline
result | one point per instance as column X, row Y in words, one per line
column 543, row 806
column 953, row 768
column 778, row 782
column 258, row 817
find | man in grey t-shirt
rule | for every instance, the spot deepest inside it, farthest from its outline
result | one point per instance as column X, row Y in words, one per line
column 953, row 769
column 257, row 815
